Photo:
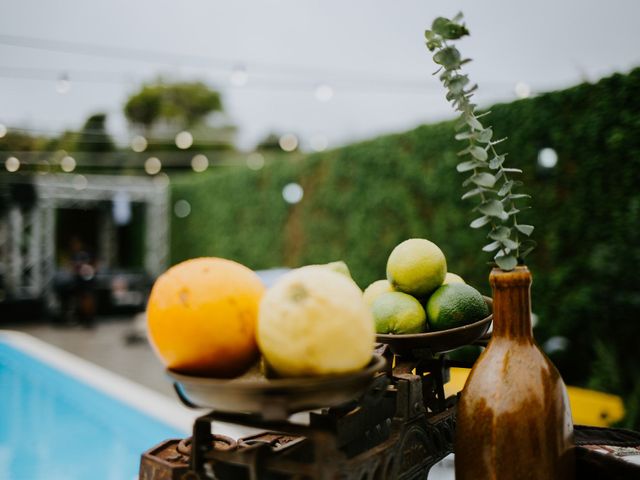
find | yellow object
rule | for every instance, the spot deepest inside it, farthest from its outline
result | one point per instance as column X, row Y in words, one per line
column 452, row 278
column 376, row 289
column 313, row 322
column 588, row 407
column 417, row 267
column 202, row 316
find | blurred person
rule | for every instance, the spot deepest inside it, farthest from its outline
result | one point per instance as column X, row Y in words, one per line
column 75, row 285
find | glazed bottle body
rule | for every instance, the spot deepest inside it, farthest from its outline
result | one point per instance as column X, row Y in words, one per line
column 513, row 419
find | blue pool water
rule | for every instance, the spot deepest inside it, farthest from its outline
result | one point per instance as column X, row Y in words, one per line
column 53, row 427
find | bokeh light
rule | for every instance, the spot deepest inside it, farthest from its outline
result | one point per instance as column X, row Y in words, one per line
column 80, row 182
column 68, row 163
column 152, row 165
column 547, row 158
column 255, row 161
column 182, row 209
column 3, row 130
column 12, row 164
column 522, row 89
column 199, row 163
column 139, row 144
column 324, row 93
column 288, row 142
column 319, row 143
column 162, row 180
column 184, row 140
column 63, row 84
column 292, row 193
column 239, row 76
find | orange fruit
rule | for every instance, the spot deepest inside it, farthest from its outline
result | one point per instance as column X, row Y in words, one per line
column 202, row 316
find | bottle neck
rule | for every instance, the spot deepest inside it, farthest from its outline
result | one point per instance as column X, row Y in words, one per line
column 511, row 303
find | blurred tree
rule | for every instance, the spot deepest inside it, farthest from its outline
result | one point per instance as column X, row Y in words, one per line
column 18, row 141
column 94, row 137
column 269, row 143
column 181, row 105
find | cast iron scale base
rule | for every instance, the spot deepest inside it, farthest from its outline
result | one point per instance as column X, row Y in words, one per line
column 397, row 429
column 390, row 420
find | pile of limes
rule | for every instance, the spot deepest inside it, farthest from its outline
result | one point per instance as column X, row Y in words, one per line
column 420, row 295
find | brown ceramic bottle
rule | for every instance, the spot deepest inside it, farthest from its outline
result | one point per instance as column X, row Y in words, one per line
column 513, row 420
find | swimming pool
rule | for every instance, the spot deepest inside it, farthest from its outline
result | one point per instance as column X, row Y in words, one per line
column 64, row 418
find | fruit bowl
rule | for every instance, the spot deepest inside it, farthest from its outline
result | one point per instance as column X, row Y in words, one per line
column 439, row 341
column 274, row 399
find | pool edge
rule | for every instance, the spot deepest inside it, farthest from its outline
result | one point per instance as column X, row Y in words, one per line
column 148, row 401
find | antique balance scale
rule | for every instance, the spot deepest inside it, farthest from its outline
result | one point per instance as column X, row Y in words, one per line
column 390, row 420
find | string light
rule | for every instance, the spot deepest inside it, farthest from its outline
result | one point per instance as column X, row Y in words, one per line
column 319, row 143
column 139, row 143
column 199, row 163
column 255, row 161
column 547, row 158
column 184, row 140
column 162, row 180
column 324, row 93
column 523, row 90
column 63, row 85
column 288, row 142
column 68, row 164
column 182, row 209
column 292, row 193
column 80, row 182
column 152, row 165
column 239, row 76
column 3, row 130
column 12, row 164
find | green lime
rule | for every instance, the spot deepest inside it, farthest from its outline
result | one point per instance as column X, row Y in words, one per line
column 455, row 304
column 417, row 267
column 397, row 312
column 452, row 278
column 376, row 289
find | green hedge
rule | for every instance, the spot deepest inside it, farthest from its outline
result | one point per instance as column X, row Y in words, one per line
column 363, row 199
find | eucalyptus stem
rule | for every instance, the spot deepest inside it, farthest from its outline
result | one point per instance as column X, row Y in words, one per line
column 490, row 178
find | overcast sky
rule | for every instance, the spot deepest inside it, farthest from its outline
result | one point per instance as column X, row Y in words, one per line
column 370, row 53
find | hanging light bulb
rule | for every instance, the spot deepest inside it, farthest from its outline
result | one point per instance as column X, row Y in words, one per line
column 68, row 164
column 182, row 208
column 12, row 164
column 139, row 143
column 324, row 92
column 255, row 161
column 3, row 130
column 199, row 163
column 288, row 142
column 522, row 89
column 63, row 85
column 184, row 140
column 239, row 76
column 319, row 143
column 292, row 193
column 152, row 165
column 80, row 182
column 547, row 158
column 161, row 180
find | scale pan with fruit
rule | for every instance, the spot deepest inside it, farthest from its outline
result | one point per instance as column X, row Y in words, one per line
column 439, row 341
column 275, row 398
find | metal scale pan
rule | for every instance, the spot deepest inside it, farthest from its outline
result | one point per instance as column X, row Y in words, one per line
column 440, row 341
column 274, row 399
